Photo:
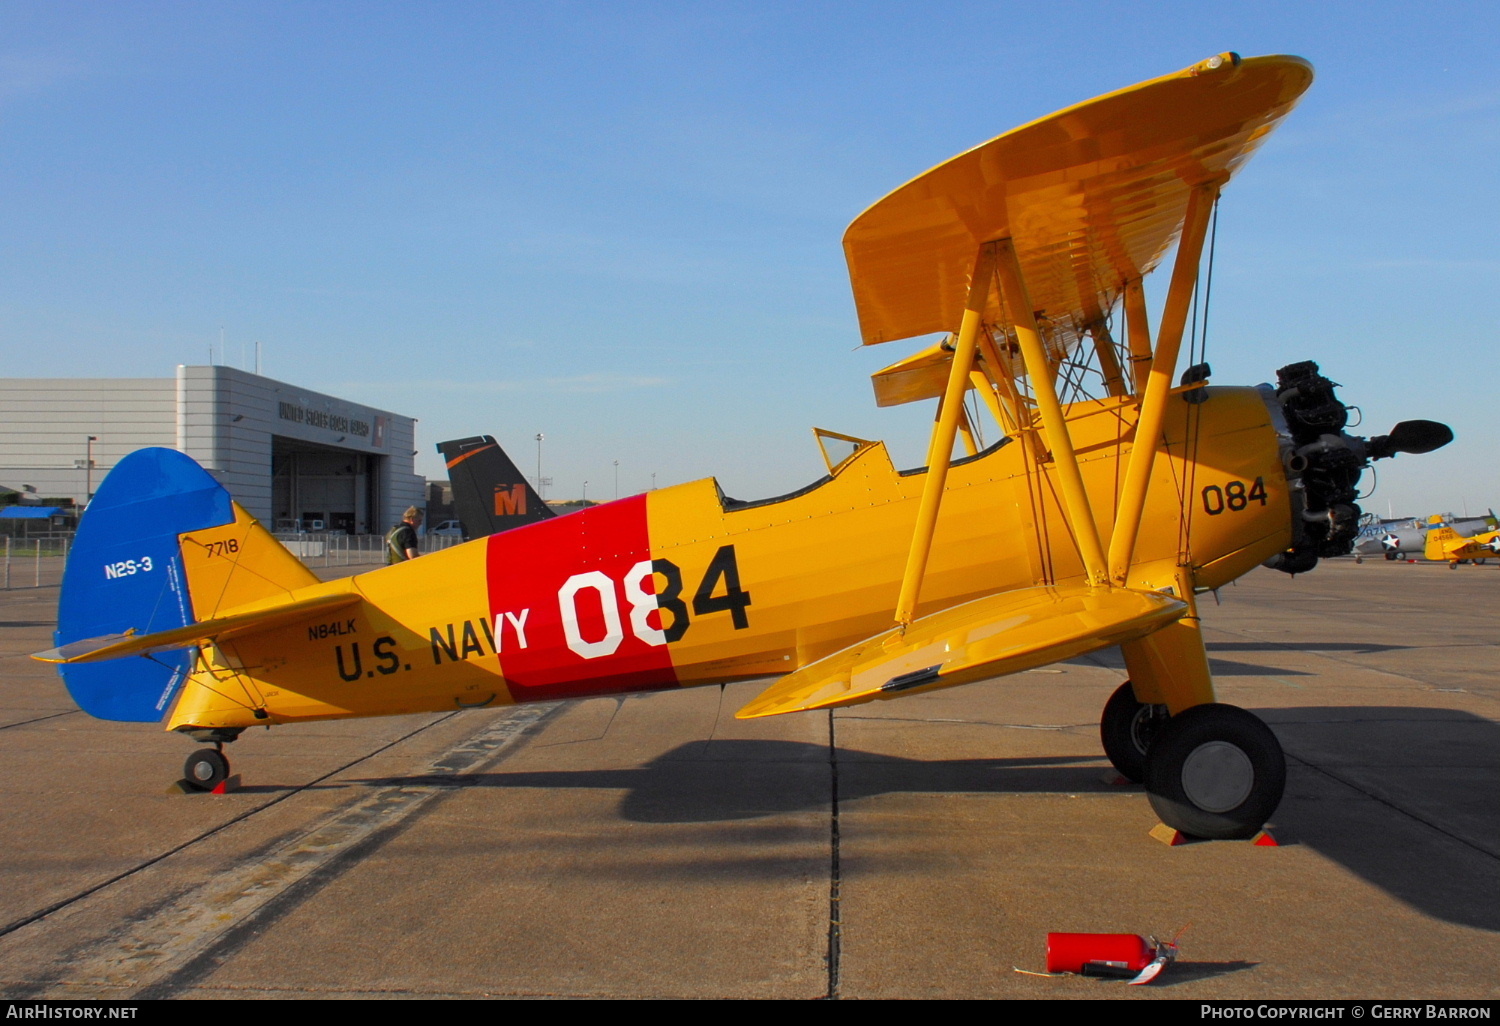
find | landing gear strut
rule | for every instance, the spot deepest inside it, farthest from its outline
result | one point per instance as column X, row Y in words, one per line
column 1215, row 771
column 1127, row 729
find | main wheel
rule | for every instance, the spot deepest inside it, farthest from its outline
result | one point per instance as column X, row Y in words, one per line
column 205, row 769
column 1393, row 556
column 1215, row 771
column 1127, row 729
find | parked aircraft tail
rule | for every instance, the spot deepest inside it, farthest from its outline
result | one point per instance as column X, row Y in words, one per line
column 162, row 554
column 1441, row 542
column 489, row 492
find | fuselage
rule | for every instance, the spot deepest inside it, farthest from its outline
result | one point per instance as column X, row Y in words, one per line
column 682, row 586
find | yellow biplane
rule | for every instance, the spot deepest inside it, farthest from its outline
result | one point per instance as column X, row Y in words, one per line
column 1094, row 520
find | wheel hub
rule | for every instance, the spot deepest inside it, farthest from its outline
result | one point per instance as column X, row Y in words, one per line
column 1146, row 725
column 1217, row 776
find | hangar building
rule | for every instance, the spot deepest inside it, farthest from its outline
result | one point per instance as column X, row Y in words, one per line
column 295, row 458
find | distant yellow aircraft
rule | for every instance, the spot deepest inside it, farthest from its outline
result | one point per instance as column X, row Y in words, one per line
column 1066, row 535
column 1444, row 544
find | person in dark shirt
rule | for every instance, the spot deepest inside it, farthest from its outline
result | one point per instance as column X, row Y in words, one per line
column 401, row 542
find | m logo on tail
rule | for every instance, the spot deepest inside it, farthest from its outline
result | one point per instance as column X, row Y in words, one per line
column 489, row 493
column 510, row 500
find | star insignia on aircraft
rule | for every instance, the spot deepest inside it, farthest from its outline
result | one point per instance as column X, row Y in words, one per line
column 1391, row 542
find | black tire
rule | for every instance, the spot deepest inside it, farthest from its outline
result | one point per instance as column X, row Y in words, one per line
column 1215, row 771
column 205, row 769
column 1393, row 556
column 1127, row 729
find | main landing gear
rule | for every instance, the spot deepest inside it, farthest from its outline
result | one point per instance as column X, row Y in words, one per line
column 1127, row 730
column 206, row 769
column 1212, row 771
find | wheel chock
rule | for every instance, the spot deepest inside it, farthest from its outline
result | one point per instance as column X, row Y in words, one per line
column 1114, row 778
column 222, row 787
column 1171, row 836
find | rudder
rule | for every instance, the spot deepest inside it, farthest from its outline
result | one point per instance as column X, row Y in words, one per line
column 161, row 546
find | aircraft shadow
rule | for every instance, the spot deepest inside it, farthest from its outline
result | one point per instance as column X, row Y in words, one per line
column 1322, row 646
column 1111, row 659
column 1401, row 796
column 725, row 780
column 1230, row 668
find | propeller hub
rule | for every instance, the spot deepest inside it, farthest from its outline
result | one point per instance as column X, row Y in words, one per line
column 1324, row 463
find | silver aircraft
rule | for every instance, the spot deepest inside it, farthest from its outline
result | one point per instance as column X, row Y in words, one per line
column 1407, row 539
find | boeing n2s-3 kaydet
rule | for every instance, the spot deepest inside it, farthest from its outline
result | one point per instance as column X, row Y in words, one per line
column 1093, row 521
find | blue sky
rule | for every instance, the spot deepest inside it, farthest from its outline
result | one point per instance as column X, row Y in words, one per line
column 619, row 223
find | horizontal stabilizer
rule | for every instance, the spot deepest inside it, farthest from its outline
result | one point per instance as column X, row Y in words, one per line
column 114, row 646
column 989, row 637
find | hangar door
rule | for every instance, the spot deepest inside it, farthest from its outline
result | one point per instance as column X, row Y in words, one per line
column 321, row 488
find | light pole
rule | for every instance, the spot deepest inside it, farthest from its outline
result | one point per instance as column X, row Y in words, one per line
column 88, row 471
column 585, row 491
column 541, row 486
column 617, row 479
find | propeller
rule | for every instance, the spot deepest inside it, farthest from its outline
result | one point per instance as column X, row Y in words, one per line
column 1413, row 436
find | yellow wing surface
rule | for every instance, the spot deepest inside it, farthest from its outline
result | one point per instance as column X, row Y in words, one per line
column 989, row 637
column 264, row 617
column 1092, row 195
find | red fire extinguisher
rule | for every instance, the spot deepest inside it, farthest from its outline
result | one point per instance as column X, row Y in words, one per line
column 1119, row 955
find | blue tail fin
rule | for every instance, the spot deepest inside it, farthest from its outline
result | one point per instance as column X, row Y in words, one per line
column 125, row 573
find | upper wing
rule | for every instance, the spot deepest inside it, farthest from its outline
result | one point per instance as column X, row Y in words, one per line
column 1004, row 633
column 1093, row 196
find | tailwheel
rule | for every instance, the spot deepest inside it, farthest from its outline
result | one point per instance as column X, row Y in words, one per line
column 1215, row 771
column 1127, row 729
column 205, row 769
